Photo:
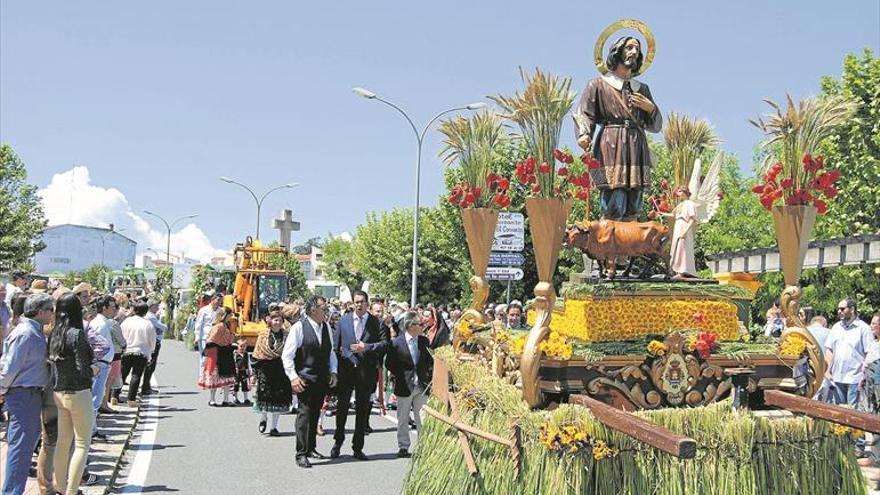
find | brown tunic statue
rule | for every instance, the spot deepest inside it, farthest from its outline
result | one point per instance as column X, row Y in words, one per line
column 622, row 108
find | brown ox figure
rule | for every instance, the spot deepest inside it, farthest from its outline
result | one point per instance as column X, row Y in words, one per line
column 606, row 240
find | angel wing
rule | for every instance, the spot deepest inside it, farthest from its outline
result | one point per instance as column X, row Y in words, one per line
column 706, row 192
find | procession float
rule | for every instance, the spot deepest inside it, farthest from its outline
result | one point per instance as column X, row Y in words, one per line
column 637, row 377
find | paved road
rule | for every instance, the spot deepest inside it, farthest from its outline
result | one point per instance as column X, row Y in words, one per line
column 203, row 450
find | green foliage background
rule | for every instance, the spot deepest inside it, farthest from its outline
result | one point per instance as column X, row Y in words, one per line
column 21, row 214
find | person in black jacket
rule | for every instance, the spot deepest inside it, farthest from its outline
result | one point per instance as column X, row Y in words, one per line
column 411, row 364
column 74, row 369
column 360, row 344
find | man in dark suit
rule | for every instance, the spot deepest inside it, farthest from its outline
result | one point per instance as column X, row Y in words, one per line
column 361, row 343
column 411, row 364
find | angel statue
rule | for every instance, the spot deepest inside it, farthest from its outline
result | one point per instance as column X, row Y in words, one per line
column 698, row 203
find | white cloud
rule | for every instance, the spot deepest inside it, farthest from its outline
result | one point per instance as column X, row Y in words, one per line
column 71, row 197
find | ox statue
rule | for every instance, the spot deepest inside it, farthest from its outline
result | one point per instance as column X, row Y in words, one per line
column 606, row 240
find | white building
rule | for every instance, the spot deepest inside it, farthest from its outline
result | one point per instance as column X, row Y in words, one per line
column 313, row 268
column 72, row 247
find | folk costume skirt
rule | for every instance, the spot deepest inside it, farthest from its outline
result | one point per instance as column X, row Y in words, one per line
column 218, row 370
column 272, row 391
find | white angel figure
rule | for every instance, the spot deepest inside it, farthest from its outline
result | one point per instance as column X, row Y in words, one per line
column 698, row 203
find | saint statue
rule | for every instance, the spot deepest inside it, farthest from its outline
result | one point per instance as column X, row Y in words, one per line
column 622, row 109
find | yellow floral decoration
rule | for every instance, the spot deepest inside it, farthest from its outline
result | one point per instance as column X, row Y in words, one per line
column 622, row 318
column 657, row 348
column 556, row 346
column 519, row 344
column 793, row 346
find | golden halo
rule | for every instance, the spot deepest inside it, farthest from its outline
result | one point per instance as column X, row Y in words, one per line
column 639, row 26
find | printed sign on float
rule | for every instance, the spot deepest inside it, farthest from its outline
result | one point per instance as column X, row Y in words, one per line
column 510, row 232
column 503, row 273
column 506, row 259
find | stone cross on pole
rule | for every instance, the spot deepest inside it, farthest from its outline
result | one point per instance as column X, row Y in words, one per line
column 285, row 226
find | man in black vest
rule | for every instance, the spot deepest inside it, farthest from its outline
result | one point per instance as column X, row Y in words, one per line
column 411, row 364
column 360, row 344
column 310, row 363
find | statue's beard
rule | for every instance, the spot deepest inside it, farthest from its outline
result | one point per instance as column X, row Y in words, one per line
column 630, row 62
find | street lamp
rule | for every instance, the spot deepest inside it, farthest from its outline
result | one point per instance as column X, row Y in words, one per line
column 169, row 227
column 420, row 138
column 104, row 238
column 260, row 200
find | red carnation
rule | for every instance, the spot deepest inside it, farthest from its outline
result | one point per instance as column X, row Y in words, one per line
column 503, row 183
column 568, row 159
column 787, row 182
column 530, row 165
column 536, row 188
column 583, row 194
column 470, row 197
column 821, row 206
column 562, row 171
column 758, row 189
column 544, row 168
column 702, row 349
column 664, row 184
column 558, row 155
column 830, row 191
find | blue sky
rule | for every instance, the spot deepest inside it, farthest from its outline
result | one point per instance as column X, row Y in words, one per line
column 158, row 99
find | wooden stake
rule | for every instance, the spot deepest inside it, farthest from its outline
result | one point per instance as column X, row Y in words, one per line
column 467, row 428
column 463, row 440
column 828, row 412
column 624, row 422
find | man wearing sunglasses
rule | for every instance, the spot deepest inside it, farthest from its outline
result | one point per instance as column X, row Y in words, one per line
column 845, row 350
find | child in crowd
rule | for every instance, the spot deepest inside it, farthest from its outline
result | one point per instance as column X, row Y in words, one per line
column 242, row 373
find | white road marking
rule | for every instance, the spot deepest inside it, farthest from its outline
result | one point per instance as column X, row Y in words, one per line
column 140, row 466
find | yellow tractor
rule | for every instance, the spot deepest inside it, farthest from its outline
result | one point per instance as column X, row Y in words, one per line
column 256, row 287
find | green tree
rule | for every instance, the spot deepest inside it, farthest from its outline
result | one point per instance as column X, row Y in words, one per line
column 21, row 214
column 854, row 149
column 339, row 265
column 96, row 275
column 306, row 247
column 296, row 279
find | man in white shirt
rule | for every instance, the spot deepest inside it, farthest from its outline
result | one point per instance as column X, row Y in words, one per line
column 152, row 317
column 845, row 350
column 106, row 307
column 202, row 328
column 140, row 340
column 310, row 363
column 17, row 283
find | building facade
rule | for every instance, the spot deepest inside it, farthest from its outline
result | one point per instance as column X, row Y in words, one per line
column 72, row 247
column 313, row 268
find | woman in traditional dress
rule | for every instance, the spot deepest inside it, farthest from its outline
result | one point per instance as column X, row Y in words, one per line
column 682, row 261
column 218, row 370
column 272, row 392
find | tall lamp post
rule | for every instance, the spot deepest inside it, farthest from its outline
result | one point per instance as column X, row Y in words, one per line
column 104, row 238
column 420, row 138
column 169, row 226
column 259, row 201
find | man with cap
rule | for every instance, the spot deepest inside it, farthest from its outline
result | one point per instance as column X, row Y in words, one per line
column 160, row 333
column 39, row 286
column 23, row 375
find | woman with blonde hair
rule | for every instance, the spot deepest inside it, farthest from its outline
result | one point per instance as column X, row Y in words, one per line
column 218, row 370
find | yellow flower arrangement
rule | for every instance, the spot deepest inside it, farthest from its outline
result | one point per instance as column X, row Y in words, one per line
column 841, row 430
column 571, row 439
column 557, row 346
column 629, row 318
column 519, row 344
column 501, row 337
column 657, row 348
column 601, row 450
column 464, row 331
column 792, row 346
